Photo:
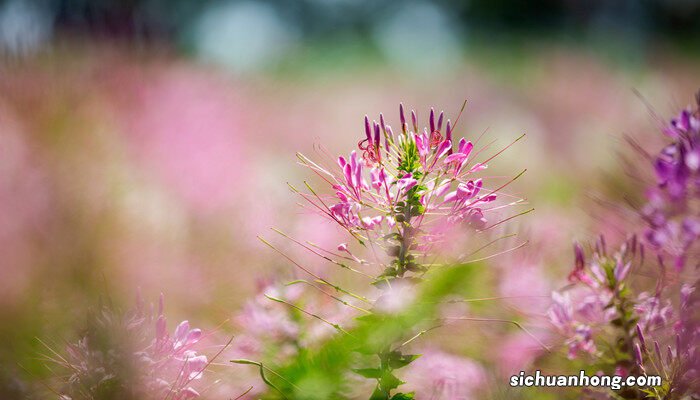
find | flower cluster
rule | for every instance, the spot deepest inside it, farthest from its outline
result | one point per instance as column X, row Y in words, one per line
column 404, row 192
column 602, row 295
column 403, row 197
column 679, row 361
column 624, row 316
column 673, row 208
column 134, row 356
column 272, row 329
column 673, row 217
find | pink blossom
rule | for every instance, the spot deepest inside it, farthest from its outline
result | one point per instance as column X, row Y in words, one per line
column 412, row 159
column 437, row 375
column 139, row 345
column 578, row 335
column 406, row 182
column 370, row 223
column 561, row 313
column 459, row 158
column 396, row 298
column 654, row 312
column 517, row 352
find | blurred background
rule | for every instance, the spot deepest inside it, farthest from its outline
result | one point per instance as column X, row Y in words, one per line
column 145, row 143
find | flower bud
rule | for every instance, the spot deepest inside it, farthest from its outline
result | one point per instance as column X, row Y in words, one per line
column 640, row 336
column 637, row 354
column 368, row 131
column 580, row 260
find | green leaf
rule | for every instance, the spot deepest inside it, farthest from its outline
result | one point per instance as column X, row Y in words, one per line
column 389, row 272
column 379, row 395
column 389, row 381
column 403, row 396
column 369, row 372
column 398, row 360
column 413, row 267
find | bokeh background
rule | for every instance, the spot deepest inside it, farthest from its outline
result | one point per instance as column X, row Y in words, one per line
column 145, row 143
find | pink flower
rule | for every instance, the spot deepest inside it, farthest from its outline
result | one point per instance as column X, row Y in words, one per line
column 396, row 298
column 185, row 337
column 459, row 158
column 135, row 350
column 194, row 365
column 654, row 312
column 622, row 269
column 345, row 213
column 561, row 313
column 517, row 352
column 437, row 375
column 406, row 161
column 354, row 182
column 406, row 182
column 582, row 341
column 578, row 335
column 370, row 223
column 423, row 146
column 262, row 318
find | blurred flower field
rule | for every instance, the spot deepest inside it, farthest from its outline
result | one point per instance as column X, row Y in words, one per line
column 180, row 224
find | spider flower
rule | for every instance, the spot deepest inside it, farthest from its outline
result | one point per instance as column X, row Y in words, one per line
column 672, row 211
column 407, row 192
column 601, row 289
column 133, row 355
column 405, row 196
column 674, row 355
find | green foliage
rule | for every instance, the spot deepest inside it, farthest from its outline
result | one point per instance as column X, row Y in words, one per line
column 372, row 348
column 403, row 396
column 410, row 159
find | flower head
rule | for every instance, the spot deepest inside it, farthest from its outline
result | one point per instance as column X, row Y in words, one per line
column 600, row 283
column 132, row 355
column 672, row 212
column 407, row 192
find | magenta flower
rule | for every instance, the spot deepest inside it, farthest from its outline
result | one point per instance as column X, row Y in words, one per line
column 673, row 222
column 406, row 182
column 459, row 158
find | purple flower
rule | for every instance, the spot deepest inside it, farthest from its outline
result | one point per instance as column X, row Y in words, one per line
column 674, row 224
column 654, row 313
column 582, row 341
